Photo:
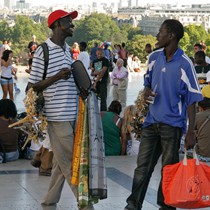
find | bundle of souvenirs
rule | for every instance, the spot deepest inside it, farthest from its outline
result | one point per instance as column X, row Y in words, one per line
column 141, row 112
column 88, row 165
column 34, row 124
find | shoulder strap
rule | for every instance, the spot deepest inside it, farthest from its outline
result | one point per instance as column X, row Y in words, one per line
column 46, row 58
column 204, row 123
column 118, row 120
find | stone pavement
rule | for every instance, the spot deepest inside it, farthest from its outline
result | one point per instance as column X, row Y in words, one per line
column 23, row 189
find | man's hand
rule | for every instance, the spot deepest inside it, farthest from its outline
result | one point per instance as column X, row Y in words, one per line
column 190, row 140
column 64, row 73
column 149, row 95
column 94, row 85
column 83, row 93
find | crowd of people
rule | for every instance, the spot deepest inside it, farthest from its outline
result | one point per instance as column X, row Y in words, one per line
column 171, row 92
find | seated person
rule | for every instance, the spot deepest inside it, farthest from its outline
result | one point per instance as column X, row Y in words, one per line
column 43, row 157
column 114, row 139
column 202, row 125
column 201, row 67
column 127, row 127
column 136, row 64
column 8, row 136
column 206, row 89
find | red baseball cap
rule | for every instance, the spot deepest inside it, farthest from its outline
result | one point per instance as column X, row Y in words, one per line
column 57, row 14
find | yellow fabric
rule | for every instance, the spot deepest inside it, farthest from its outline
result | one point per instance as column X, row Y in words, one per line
column 77, row 143
column 206, row 91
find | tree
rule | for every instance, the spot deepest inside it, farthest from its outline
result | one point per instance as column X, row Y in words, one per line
column 22, row 32
column 97, row 26
column 193, row 34
column 5, row 31
column 185, row 43
column 137, row 45
column 128, row 28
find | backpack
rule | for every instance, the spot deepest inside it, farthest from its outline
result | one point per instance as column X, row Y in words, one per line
column 46, row 61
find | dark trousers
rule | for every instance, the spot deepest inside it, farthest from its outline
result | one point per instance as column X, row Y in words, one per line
column 156, row 139
column 102, row 92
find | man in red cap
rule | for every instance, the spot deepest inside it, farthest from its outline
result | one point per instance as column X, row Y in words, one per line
column 60, row 94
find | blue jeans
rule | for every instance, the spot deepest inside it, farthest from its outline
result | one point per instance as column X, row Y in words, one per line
column 156, row 139
column 11, row 156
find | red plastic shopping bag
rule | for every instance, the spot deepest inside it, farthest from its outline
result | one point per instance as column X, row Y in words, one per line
column 187, row 184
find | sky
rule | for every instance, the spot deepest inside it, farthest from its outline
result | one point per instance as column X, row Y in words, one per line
column 54, row 2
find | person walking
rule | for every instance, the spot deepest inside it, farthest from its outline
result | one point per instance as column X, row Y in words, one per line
column 60, row 94
column 172, row 90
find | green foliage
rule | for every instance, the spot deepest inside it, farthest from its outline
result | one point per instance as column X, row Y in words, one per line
column 97, row 27
column 137, row 45
column 207, row 42
column 20, row 34
column 5, row 31
column 131, row 32
column 193, row 34
column 185, row 42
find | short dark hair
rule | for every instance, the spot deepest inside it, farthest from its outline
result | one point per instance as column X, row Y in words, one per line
column 8, row 109
column 99, row 49
column 6, row 54
column 198, row 45
column 175, row 27
column 200, row 54
column 205, row 103
column 83, row 45
column 148, row 45
column 115, row 107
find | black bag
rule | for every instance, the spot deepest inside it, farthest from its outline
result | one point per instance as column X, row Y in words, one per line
column 81, row 77
column 40, row 99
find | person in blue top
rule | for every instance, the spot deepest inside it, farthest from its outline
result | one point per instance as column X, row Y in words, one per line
column 172, row 90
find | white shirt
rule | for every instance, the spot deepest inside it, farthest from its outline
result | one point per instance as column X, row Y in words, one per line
column 207, row 59
column 6, row 71
column 85, row 58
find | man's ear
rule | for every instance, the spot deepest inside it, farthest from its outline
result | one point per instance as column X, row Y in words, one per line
column 172, row 36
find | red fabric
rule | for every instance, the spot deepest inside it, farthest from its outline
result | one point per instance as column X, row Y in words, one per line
column 186, row 186
column 57, row 14
column 75, row 53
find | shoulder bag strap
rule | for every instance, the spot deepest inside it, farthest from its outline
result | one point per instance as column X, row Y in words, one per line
column 201, row 127
column 46, row 58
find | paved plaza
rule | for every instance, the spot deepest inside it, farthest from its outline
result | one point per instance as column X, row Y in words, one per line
column 23, row 189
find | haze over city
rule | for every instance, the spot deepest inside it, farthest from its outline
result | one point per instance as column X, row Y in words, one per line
column 55, row 2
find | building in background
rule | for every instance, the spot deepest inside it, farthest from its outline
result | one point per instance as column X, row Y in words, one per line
column 10, row 4
column 150, row 18
column 22, row 5
column 123, row 3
